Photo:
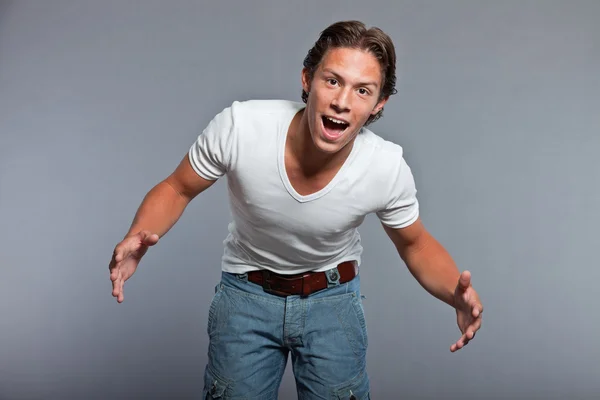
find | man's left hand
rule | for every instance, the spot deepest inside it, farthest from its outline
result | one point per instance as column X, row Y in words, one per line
column 468, row 310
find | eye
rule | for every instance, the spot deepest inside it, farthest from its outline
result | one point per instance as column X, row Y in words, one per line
column 363, row 91
column 332, row 81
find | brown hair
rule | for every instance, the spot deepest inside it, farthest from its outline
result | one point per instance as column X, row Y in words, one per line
column 354, row 34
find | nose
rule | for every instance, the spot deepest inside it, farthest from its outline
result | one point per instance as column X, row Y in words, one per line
column 341, row 101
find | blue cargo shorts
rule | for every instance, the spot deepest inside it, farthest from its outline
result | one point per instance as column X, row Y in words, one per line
column 251, row 333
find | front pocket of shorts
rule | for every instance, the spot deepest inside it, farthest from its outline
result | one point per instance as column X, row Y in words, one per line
column 212, row 311
column 360, row 315
column 350, row 316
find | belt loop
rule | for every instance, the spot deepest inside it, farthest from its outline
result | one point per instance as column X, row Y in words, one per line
column 333, row 277
column 243, row 277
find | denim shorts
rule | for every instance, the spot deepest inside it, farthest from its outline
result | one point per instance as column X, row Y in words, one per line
column 251, row 333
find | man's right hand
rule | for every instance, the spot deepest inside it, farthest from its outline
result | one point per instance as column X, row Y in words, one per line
column 161, row 208
column 126, row 258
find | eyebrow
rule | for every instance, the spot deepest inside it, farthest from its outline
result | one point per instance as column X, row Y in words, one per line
column 339, row 77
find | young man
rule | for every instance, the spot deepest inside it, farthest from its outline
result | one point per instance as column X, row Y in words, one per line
column 301, row 180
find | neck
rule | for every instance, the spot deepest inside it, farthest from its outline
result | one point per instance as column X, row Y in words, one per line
column 308, row 157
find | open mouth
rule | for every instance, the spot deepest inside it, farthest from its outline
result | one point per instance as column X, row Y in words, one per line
column 333, row 128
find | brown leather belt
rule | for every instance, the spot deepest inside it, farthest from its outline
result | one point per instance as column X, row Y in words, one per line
column 302, row 284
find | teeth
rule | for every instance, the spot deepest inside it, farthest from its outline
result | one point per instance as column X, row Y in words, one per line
column 337, row 121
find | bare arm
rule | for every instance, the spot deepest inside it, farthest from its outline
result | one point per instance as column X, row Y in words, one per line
column 160, row 210
column 164, row 204
column 426, row 259
column 434, row 269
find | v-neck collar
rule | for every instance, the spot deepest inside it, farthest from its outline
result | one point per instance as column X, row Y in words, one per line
column 281, row 142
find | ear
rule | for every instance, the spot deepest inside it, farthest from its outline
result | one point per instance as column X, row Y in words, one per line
column 380, row 105
column 305, row 80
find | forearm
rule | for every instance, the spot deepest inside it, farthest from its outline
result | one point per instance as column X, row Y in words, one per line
column 433, row 268
column 159, row 211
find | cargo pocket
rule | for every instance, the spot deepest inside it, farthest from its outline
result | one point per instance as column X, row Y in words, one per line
column 214, row 387
column 357, row 389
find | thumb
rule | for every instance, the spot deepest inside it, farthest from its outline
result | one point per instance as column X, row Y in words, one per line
column 148, row 238
column 464, row 281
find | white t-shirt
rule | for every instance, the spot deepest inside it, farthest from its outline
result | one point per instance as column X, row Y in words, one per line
column 273, row 226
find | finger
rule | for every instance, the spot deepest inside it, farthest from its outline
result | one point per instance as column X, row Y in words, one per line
column 475, row 326
column 119, row 290
column 115, row 284
column 460, row 343
column 114, row 270
column 112, row 266
column 466, row 338
column 121, row 296
column 119, row 252
column 466, row 297
column 125, row 248
column 118, row 283
column 115, row 288
column 465, row 280
column 456, row 346
column 469, row 334
column 121, row 284
column 149, row 239
column 477, row 309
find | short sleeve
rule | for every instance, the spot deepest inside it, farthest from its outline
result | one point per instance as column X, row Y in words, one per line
column 401, row 207
column 210, row 154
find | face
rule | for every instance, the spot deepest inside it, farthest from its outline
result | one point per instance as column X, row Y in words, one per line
column 343, row 94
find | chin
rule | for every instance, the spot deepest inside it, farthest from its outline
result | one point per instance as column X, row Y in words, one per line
column 326, row 145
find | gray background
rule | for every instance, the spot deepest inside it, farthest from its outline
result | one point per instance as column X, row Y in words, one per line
column 499, row 113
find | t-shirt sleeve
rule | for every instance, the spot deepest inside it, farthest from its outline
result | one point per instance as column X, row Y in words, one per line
column 210, row 154
column 401, row 207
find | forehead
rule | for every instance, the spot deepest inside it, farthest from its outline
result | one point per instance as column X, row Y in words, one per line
column 352, row 64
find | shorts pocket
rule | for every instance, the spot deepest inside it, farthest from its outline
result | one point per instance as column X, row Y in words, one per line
column 360, row 315
column 214, row 387
column 351, row 318
column 212, row 311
